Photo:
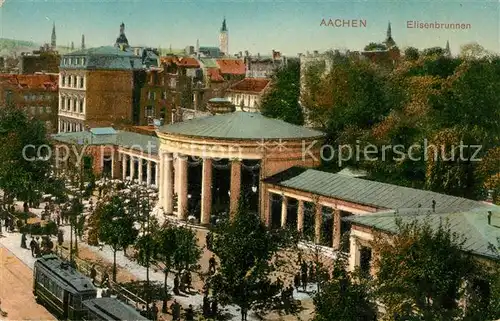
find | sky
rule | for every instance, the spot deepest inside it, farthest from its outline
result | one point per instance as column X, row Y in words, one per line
column 257, row 26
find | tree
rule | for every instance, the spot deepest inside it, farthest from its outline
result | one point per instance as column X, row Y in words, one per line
column 473, row 51
column 425, row 273
column 411, row 53
column 177, row 247
column 344, row 297
column 246, row 249
column 24, row 167
column 372, row 46
column 434, row 51
column 116, row 227
column 282, row 99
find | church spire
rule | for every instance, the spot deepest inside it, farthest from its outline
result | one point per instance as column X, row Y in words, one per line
column 224, row 26
column 389, row 42
column 83, row 41
column 122, row 41
column 389, row 31
column 53, row 37
column 447, row 49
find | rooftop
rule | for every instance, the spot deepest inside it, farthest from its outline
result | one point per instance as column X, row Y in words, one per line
column 104, row 136
column 37, row 81
column 113, row 309
column 240, row 125
column 253, row 85
column 189, row 62
column 231, row 66
column 369, row 193
column 472, row 224
column 214, row 75
column 66, row 274
column 105, row 57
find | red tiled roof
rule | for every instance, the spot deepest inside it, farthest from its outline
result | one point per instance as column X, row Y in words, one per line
column 189, row 62
column 169, row 60
column 231, row 66
column 214, row 75
column 254, row 85
column 49, row 82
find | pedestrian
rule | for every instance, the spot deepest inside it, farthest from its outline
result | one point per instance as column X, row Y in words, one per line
column 312, row 272
column 212, row 265
column 176, row 284
column 189, row 313
column 206, row 306
column 304, row 280
column 215, row 308
column 23, row 241
column 154, row 312
column 105, row 278
column 60, row 237
column 93, row 274
column 33, row 246
column 176, row 311
column 296, row 281
column 189, row 280
column 244, row 313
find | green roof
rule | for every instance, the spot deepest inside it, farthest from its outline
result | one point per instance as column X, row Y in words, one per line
column 240, row 125
column 208, row 62
column 105, row 57
column 366, row 192
column 146, row 143
column 113, row 309
column 471, row 224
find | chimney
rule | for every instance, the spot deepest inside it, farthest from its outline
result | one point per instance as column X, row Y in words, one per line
column 489, row 217
column 247, row 53
column 433, row 205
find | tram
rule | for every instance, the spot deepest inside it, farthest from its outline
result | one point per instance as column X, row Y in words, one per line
column 110, row 309
column 61, row 288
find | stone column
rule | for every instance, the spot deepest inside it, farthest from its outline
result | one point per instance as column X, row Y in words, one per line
column 182, row 186
column 318, row 219
column 148, row 173
column 168, row 184
column 139, row 169
column 266, row 208
column 284, row 210
column 336, row 229
column 353, row 253
column 124, row 166
column 235, row 186
column 132, row 168
column 206, row 191
column 157, row 175
column 300, row 216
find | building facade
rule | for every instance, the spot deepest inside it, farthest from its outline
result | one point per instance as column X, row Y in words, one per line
column 247, row 93
column 36, row 94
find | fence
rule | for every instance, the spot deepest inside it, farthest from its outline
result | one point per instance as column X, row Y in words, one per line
column 85, row 267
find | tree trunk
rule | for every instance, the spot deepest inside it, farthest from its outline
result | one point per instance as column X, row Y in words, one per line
column 164, row 306
column 114, row 264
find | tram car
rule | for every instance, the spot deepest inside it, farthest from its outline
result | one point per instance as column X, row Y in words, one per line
column 110, row 309
column 61, row 288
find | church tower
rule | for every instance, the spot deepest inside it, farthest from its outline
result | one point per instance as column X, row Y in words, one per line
column 224, row 39
column 122, row 41
column 389, row 42
column 83, row 41
column 447, row 50
column 53, row 37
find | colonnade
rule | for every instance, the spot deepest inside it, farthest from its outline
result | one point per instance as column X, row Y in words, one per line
column 150, row 164
column 318, row 217
column 174, row 180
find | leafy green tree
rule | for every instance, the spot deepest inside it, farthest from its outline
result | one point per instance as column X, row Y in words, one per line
column 116, row 227
column 434, row 51
column 411, row 53
column 23, row 171
column 375, row 46
column 425, row 273
column 282, row 99
column 246, row 249
column 473, row 51
column 345, row 296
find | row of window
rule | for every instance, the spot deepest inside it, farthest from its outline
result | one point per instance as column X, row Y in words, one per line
column 72, row 81
column 38, row 110
column 67, row 126
column 75, row 105
column 75, row 61
column 152, row 95
column 33, row 97
column 50, row 285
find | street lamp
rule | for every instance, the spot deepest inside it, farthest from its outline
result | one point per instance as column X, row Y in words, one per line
column 254, row 189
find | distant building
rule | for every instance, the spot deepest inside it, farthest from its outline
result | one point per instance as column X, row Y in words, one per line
column 263, row 66
column 36, row 94
column 224, row 39
column 42, row 60
column 247, row 93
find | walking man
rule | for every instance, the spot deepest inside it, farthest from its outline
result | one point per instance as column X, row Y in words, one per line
column 176, row 311
column 33, row 245
column 154, row 312
column 212, row 265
